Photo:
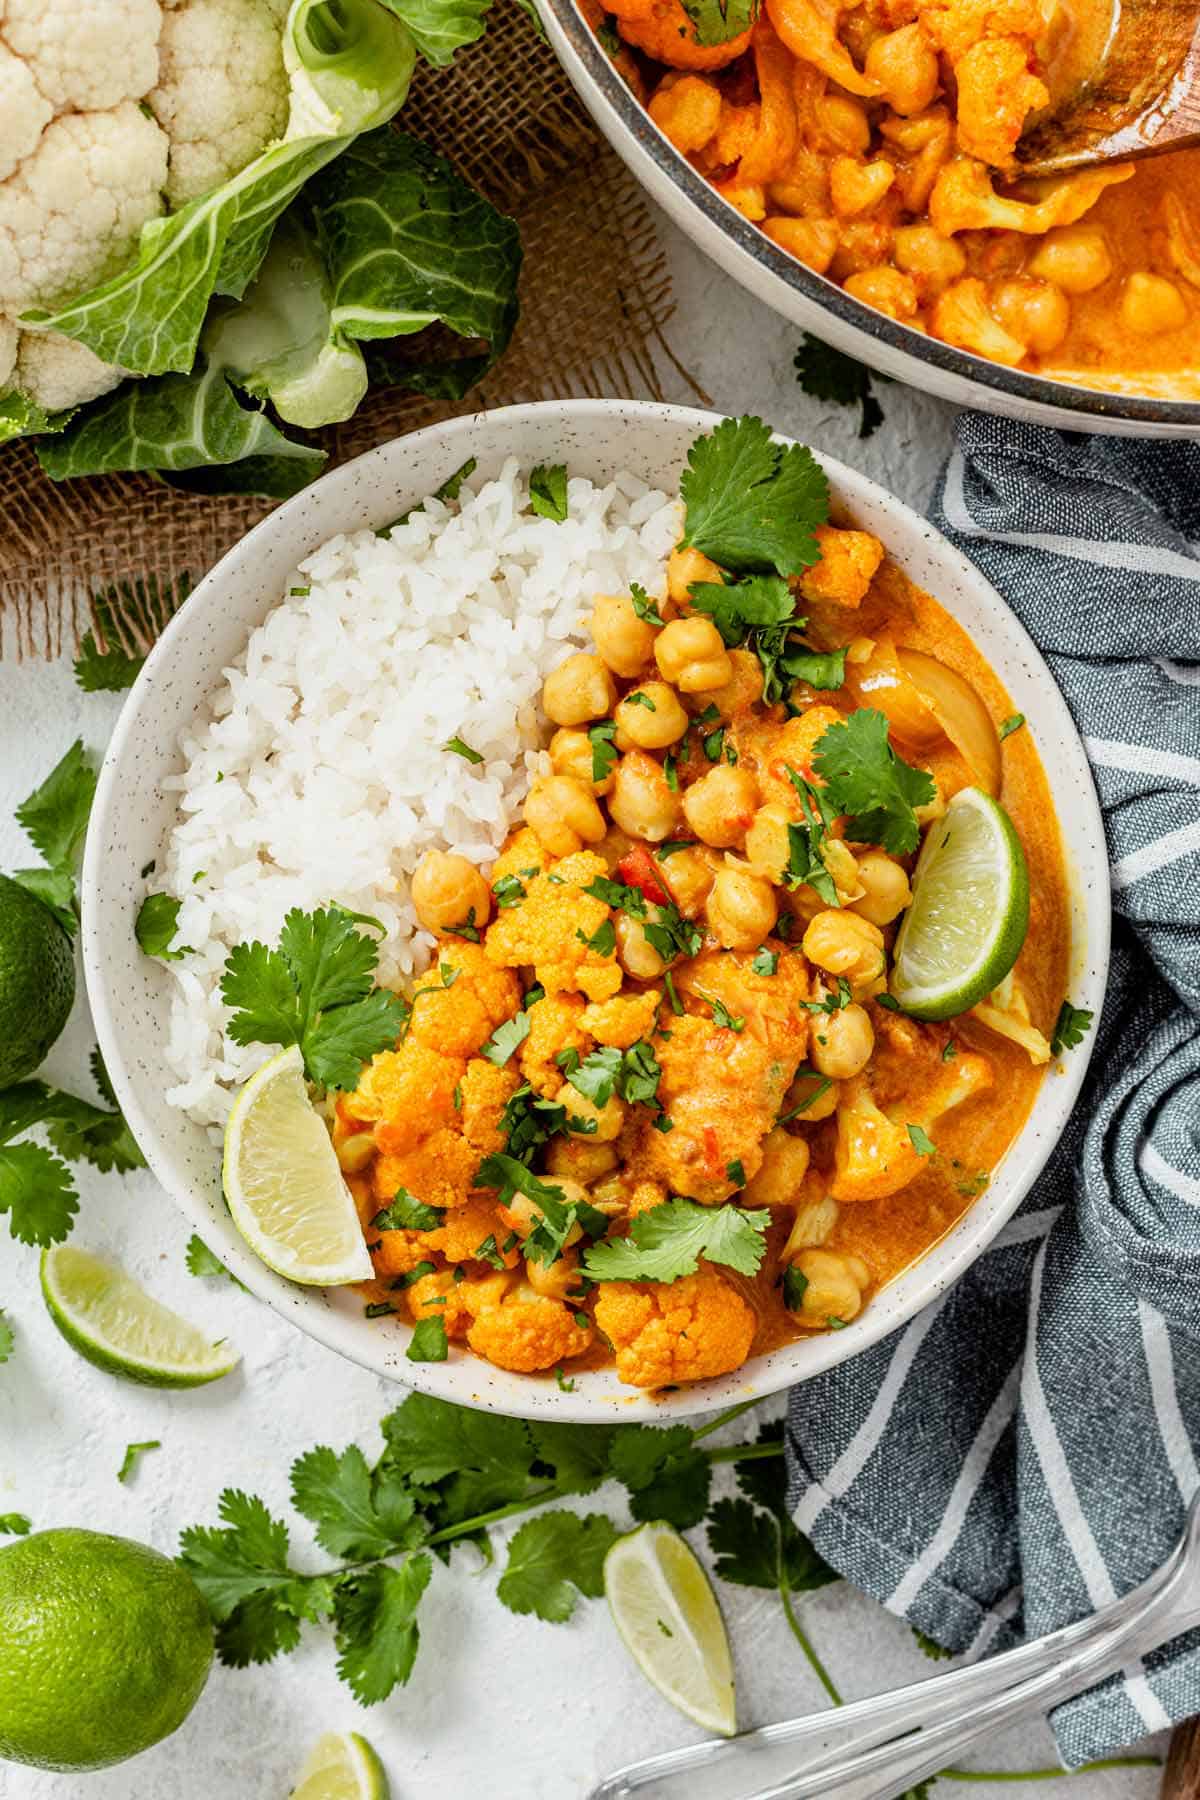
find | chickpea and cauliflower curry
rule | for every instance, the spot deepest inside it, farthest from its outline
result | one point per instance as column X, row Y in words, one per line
column 672, row 1090
column 876, row 142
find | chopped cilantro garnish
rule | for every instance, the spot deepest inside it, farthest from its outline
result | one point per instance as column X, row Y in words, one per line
column 637, row 698
column 429, row 1342
column 822, row 1085
column 738, row 607
column 921, row 1141
column 156, row 925
column 766, row 962
column 831, row 1002
column 508, row 891
column 672, row 935
column 133, row 1455
column 464, row 750
column 489, row 1253
column 866, row 780
column 548, row 491
column 752, row 504
column 662, row 851
column 1007, row 726
column 407, row 1213
column 567, row 1387
column 717, row 21
column 603, row 940
column 672, row 996
column 644, row 606
column 377, row 1309
column 1070, row 1027
column 629, row 900
column 829, row 374
column 414, row 1275
column 667, row 1241
column 714, row 743
column 506, row 1038
column 736, row 1172
column 795, row 1286
column 949, row 1053
column 604, row 751
column 671, row 769
column 722, row 1015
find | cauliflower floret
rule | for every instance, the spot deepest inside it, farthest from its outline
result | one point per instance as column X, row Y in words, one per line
column 398, row 1252
column 8, row 351
column 439, row 1296
column 522, row 856
column 222, row 92
column 56, row 372
column 847, row 567
column 465, row 1229
column 71, row 214
column 555, row 1025
column 86, row 57
column 996, row 92
column 484, row 1093
column 458, row 1019
column 549, row 926
column 24, row 112
column 527, row 1332
column 440, row 1170
column 623, row 1020
column 963, row 199
column 874, row 1156
column 962, row 317
column 684, row 1330
column 410, row 1090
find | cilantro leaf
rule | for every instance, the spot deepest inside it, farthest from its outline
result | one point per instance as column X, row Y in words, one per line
column 829, row 374
column 428, row 1342
column 37, row 1193
column 717, row 21
column 315, row 990
column 551, row 1558
column 508, row 891
column 81, row 1131
column 357, row 1514
column 930, row 1647
column 865, row 779
column 595, row 1077
column 667, row 1477
column 1007, row 726
column 821, row 669
column 6, row 1338
column 753, row 505
column 476, row 1460
column 376, row 1630
column 766, row 962
column 763, row 1548
column 505, row 1039
column 667, row 1241
column 133, row 1455
column 264, row 1625
column 15, row 1524
column 202, row 1261
column 736, row 607
column 246, row 1556
column 146, row 600
column 795, row 1286
column 55, row 815
column 407, row 1213
column 1070, row 1028
column 920, row 1140
column 55, row 888
column 604, row 751
column 578, row 1454
column 156, row 925
column 645, row 608
column 548, row 491
column 459, row 748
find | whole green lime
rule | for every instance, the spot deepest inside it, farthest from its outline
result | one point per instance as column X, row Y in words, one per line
column 105, row 1646
column 37, row 981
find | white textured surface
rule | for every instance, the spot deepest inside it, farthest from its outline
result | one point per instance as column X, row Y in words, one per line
column 506, row 1708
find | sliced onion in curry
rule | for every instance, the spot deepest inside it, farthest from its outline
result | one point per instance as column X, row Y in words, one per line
column 881, row 682
column 959, row 712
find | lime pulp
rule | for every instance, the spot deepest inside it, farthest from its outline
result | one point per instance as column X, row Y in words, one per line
column 667, row 1615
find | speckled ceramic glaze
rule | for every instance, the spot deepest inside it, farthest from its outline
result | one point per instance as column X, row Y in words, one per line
column 811, row 301
column 130, row 993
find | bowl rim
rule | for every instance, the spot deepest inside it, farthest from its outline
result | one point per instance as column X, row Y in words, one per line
column 308, row 1308
column 1088, row 404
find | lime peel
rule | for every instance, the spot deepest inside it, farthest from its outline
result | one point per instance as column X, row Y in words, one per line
column 969, row 914
column 286, row 1193
column 120, row 1328
column 668, row 1618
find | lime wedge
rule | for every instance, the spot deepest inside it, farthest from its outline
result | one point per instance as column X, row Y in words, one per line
column 341, row 1766
column 670, row 1623
column 115, row 1324
column 283, row 1184
column 969, row 912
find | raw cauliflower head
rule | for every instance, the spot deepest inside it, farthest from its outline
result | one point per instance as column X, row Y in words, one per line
column 109, row 111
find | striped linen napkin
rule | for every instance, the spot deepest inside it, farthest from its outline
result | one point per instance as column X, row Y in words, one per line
column 1021, row 1453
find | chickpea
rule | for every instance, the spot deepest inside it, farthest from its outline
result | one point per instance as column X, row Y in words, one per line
column 578, row 690
column 935, row 260
column 1074, row 257
column 1151, row 304
column 835, row 1286
column 813, row 1224
column 355, row 1152
column 523, row 1215
column 641, row 803
column 608, row 1119
column 842, row 1042
column 650, row 718
column 688, row 875
column 582, row 1158
column 855, row 187
column 813, row 1097
column 813, row 242
column 768, row 845
column 905, row 65
column 446, row 890
column 692, row 654
column 571, row 755
column 839, row 862
column 635, row 953
column 784, row 1166
column 743, row 690
column 887, row 890
column 741, row 909
column 625, row 642
column 887, row 290
column 556, row 1281
column 1034, row 311
column 720, row 807
column 842, row 124
column 563, row 814
column 683, row 568
column 842, row 943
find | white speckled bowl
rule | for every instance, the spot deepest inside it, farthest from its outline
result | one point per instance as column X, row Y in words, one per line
column 130, row 992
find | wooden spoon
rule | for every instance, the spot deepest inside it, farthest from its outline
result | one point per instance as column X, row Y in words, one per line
column 1144, row 97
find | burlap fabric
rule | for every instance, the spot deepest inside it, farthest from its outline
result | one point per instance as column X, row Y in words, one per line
column 595, row 295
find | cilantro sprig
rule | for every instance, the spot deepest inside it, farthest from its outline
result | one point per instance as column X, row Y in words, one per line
column 667, row 1241
column 865, row 779
column 316, row 990
column 36, row 1188
column 1070, row 1028
column 753, row 505
column 829, row 374
column 55, row 819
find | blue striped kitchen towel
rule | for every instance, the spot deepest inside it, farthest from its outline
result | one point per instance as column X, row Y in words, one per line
column 1023, row 1450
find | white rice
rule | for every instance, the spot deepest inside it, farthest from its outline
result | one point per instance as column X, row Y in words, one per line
column 315, row 772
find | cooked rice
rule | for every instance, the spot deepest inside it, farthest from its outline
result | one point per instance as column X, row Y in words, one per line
column 316, row 771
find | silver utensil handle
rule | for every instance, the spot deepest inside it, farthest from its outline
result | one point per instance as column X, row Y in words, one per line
column 803, row 1756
